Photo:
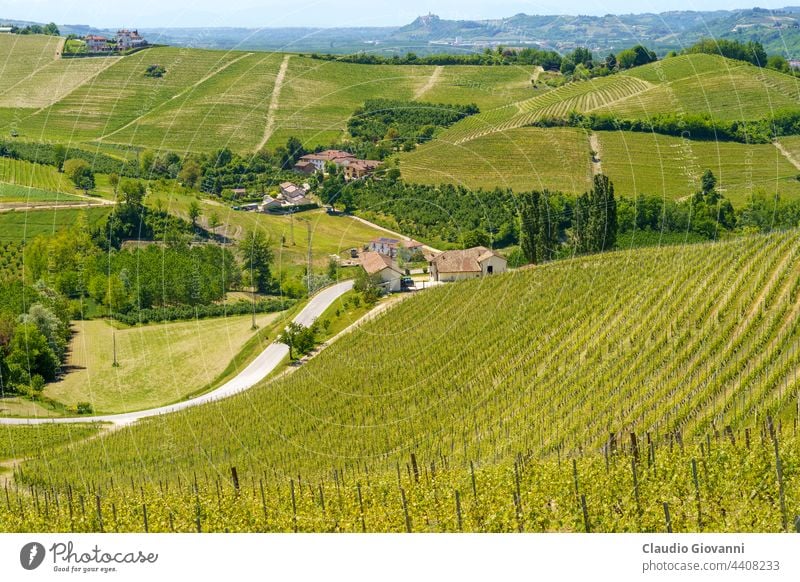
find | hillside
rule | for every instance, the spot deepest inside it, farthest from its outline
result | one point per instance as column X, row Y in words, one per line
column 502, row 150
column 511, row 374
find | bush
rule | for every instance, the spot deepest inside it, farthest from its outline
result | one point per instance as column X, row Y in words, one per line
column 84, row 408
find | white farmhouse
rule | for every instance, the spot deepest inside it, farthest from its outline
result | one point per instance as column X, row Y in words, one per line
column 381, row 269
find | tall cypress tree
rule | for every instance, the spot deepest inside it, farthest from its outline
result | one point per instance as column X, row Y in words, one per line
column 529, row 226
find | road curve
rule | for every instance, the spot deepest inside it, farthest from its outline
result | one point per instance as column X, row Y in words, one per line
column 258, row 369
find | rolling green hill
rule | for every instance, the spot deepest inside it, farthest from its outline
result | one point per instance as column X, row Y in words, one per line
column 495, row 148
column 472, row 424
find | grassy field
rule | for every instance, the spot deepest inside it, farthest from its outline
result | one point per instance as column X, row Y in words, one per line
column 19, row 225
column 14, row 195
column 670, row 167
column 498, row 392
column 522, row 159
column 44, row 177
column 329, row 234
column 158, row 364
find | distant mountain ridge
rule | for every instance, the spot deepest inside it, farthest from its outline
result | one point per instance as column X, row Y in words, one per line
column 778, row 30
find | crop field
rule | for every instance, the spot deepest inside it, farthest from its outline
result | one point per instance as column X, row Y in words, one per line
column 23, row 55
column 158, row 364
column 12, row 195
column 487, row 87
column 671, row 167
column 581, row 395
column 17, row 442
column 52, row 82
column 229, row 109
column 121, row 94
column 20, row 225
column 522, row 159
column 694, row 84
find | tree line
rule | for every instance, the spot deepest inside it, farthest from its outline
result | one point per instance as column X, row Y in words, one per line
column 699, row 127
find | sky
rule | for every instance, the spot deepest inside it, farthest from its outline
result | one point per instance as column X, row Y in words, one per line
column 324, row 13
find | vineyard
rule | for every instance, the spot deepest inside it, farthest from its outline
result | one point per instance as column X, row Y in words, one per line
column 651, row 390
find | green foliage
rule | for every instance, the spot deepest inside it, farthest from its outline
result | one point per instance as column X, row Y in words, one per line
column 191, row 312
column 751, row 52
column 257, row 257
column 538, row 227
column 700, row 127
column 635, row 57
column 404, row 123
column 299, row 338
column 155, row 71
column 80, row 173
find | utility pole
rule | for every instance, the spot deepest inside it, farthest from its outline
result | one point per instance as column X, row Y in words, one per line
column 114, row 343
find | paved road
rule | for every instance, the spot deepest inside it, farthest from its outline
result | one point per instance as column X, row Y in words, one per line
column 258, row 369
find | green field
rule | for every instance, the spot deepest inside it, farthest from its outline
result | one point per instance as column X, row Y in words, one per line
column 17, row 442
column 508, row 381
column 522, row 159
column 158, row 364
column 671, row 167
column 14, row 195
column 19, row 225
column 329, row 234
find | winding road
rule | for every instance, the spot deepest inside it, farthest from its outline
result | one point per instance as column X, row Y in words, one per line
column 258, row 369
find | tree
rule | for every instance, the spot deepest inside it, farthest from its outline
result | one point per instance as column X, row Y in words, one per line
column 602, row 219
column 708, row 182
column 60, row 155
column 30, row 354
column 190, row 173
column 213, row 221
column 257, row 257
column 113, row 180
column 299, row 338
column 80, row 173
column 133, row 192
column 194, row 212
column 146, row 160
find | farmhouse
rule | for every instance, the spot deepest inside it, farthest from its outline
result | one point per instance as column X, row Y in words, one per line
column 128, row 39
column 319, row 159
column 467, row 264
column 382, row 270
column 97, row 44
column 357, row 169
column 290, row 190
column 353, row 167
column 392, row 247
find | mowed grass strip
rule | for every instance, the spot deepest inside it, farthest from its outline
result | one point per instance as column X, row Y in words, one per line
column 12, row 194
column 158, row 364
column 521, row 159
column 644, row 163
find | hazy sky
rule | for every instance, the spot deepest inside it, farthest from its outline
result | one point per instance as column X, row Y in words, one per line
column 272, row 13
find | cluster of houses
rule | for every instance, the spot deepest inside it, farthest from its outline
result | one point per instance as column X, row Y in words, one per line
column 380, row 262
column 353, row 167
column 124, row 40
